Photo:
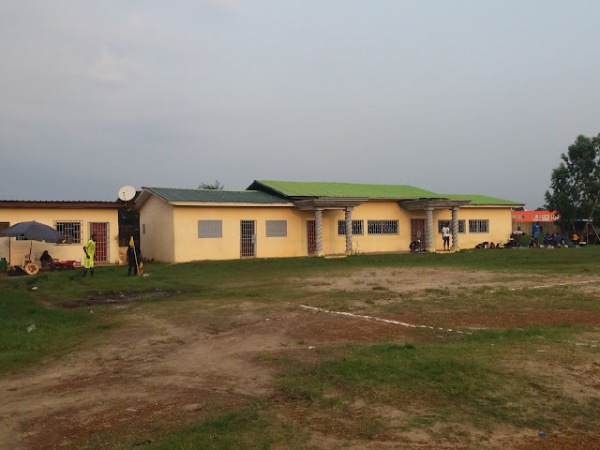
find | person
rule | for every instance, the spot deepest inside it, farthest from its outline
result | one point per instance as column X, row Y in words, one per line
column 132, row 259
column 46, row 260
column 575, row 239
column 415, row 246
column 446, row 236
column 535, row 231
column 90, row 252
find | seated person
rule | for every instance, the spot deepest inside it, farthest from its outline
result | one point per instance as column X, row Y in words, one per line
column 575, row 239
column 415, row 246
column 46, row 260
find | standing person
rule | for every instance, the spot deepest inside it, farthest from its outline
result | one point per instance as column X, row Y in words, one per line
column 446, row 236
column 132, row 258
column 90, row 251
column 535, row 233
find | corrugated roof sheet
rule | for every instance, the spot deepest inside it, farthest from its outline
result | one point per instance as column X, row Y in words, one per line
column 480, row 200
column 214, row 196
column 321, row 189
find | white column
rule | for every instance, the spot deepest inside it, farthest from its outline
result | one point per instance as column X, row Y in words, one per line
column 319, row 230
column 455, row 245
column 429, row 244
column 349, row 230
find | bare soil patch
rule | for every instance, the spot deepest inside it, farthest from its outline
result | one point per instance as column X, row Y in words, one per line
column 156, row 374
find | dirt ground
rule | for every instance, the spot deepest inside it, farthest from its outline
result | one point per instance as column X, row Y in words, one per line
column 153, row 374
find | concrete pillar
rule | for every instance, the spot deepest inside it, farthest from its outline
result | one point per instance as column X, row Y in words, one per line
column 319, row 230
column 349, row 229
column 455, row 245
column 429, row 243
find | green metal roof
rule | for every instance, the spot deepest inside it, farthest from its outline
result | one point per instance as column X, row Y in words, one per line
column 214, row 196
column 274, row 192
column 479, row 200
column 319, row 189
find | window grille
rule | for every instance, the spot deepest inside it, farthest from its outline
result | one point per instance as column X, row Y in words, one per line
column 210, row 229
column 382, row 227
column 461, row 225
column 479, row 226
column 357, row 227
column 71, row 230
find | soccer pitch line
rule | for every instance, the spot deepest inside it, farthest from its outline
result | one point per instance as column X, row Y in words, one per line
column 379, row 319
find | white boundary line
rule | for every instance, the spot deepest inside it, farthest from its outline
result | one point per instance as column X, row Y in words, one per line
column 378, row 319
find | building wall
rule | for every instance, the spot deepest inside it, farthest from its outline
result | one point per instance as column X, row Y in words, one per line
column 335, row 243
column 499, row 230
column 170, row 233
column 157, row 237
column 48, row 216
column 190, row 247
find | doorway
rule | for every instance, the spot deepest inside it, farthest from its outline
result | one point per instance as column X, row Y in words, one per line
column 247, row 239
column 311, row 237
column 100, row 229
column 417, row 232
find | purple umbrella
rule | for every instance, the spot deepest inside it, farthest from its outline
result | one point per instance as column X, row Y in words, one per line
column 34, row 231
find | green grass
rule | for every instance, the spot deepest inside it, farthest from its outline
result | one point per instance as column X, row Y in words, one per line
column 256, row 278
column 250, row 427
column 435, row 382
column 31, row 331
column 467, row 381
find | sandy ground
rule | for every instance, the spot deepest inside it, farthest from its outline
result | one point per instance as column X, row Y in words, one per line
column 154, row 374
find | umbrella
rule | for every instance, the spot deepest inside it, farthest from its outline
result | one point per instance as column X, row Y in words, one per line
column 34, row 231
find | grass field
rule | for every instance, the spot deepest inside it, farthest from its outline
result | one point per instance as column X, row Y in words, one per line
column 477, row 349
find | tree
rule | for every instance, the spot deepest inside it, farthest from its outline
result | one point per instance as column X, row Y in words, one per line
column 215, row 185
column 575, row 183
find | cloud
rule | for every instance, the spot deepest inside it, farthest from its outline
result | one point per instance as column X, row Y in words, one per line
column 113, row 70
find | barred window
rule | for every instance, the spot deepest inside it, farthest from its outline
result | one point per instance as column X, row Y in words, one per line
column 210, row 229
column 357, row 227
column 479, row 226
column 70, row 229
column 382, row 227
column 461, row 225
column 276, row 228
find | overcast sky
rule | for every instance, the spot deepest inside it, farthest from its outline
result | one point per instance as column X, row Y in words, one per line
column 461, row 96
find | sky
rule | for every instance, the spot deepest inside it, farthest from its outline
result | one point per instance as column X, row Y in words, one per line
column 456, row 97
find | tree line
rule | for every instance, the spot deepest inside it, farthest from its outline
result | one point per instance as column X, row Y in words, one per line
column 575, row 184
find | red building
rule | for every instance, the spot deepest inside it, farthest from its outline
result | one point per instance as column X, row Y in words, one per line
column 525, row 220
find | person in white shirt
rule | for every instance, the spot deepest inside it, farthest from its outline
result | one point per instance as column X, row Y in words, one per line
column 446, row 236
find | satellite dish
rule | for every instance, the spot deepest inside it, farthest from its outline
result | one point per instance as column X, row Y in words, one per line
column 126, row 193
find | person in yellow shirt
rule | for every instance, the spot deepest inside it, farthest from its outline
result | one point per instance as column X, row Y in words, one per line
column 575, row 239
column 90, row 252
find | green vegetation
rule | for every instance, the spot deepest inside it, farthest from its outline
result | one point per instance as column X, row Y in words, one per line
column 31, row 331
column 466, row 381
column 454, row 387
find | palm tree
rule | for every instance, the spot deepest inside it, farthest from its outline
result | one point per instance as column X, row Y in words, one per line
column 215, row 185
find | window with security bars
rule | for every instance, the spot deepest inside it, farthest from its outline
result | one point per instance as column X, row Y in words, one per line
column 479, row 226
column 357, row 227
column 382, row 227
column 71, row 230
column 461, row 225
column 276, row 228
column 210, row 229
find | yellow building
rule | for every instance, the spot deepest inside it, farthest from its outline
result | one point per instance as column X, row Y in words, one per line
column 76, row 220
column 291, row 219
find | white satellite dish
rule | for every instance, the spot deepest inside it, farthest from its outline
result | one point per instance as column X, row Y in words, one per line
column 126, row 193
